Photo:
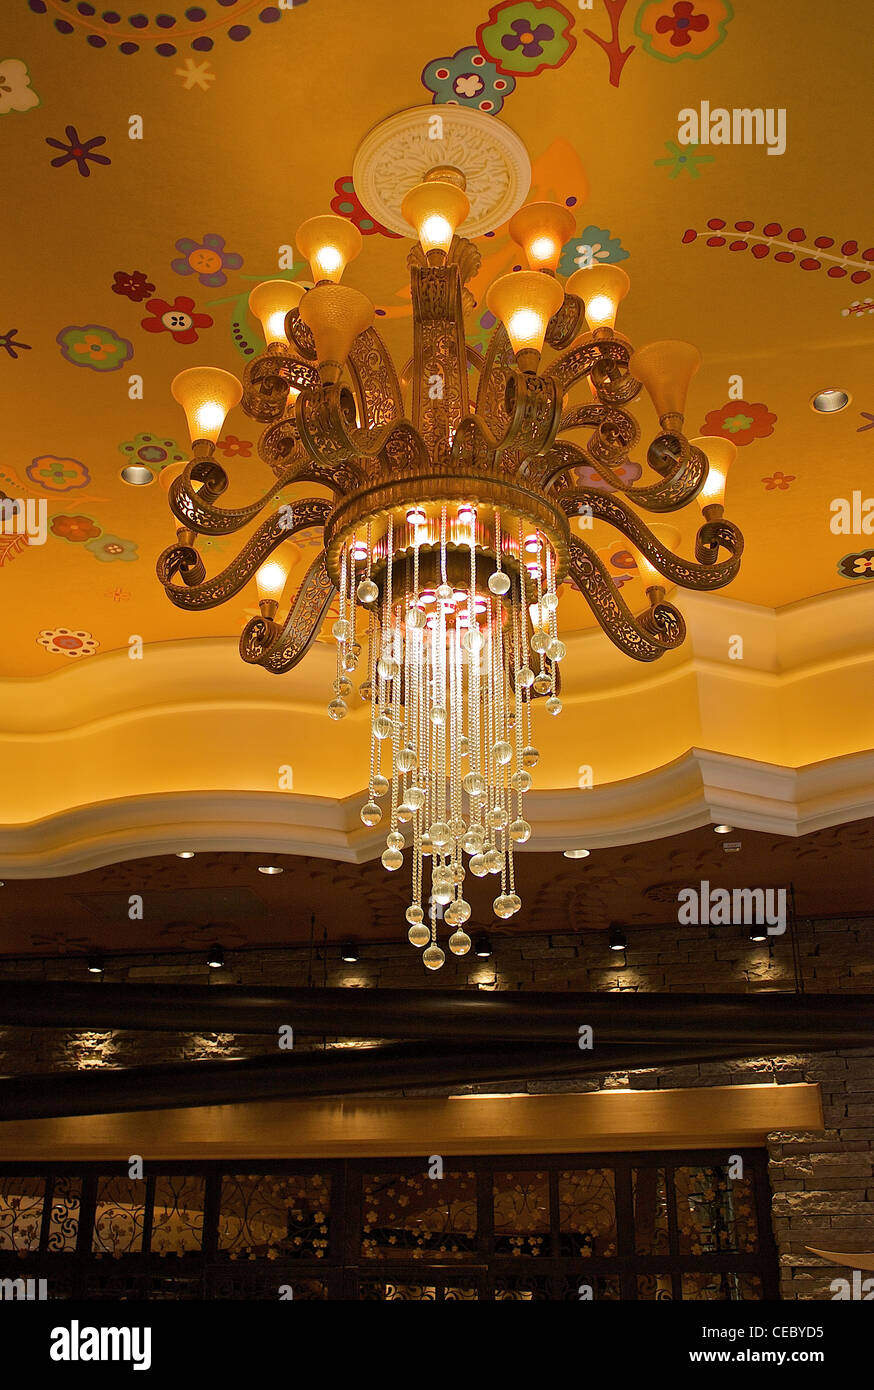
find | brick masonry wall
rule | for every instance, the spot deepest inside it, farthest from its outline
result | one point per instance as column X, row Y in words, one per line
column 823, row 1183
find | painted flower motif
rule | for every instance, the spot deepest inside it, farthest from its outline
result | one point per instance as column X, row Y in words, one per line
column 63, row 641
column 232, row 447
column 152, row 450
column 74, row 528
column 740, row 422
column 467, row 79
column 78, row 151
column 779, row 480
column 92, row 345
column 347, row 204
column 57, row 474
column 16, row 93
column 591, row 245
column 207, row 259
column 859, row 565
column 527, row 38
column 675, row 29
column 585, row 476
column 682, row 160
column 178, row 319
column 135, row 286
column 107, row 548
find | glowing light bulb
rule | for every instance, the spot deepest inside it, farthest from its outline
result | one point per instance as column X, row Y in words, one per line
column 270, row 580
column 206, row 394
column 270, row 302
column 329, row 244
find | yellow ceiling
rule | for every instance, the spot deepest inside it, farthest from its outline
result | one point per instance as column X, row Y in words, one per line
column 250, row 125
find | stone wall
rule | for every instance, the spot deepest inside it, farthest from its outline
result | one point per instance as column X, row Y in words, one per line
column 823, row 1183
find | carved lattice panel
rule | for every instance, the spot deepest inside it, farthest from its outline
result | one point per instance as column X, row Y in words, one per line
column 714, row 1212
column 119, row 1217
column 521, row 1213
column 587, row 1211
column 416, row 1215
column 177, row 1215
column 274, row 1216
column 21, row 1207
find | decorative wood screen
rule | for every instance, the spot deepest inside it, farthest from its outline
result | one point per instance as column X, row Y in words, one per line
column 674, row 1225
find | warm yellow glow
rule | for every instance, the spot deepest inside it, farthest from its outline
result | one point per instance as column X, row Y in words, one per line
column 335, row 315
column 206, row 394
column 542, row 229
column 602, row 289
column 270, row 579
column 270, row 302
column 667, row 536
column 666, row 369
column 721, row 453
column 435, row 209
column 525, row 302
column 329, row 244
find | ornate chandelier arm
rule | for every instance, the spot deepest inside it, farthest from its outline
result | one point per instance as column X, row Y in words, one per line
column 281, row 447
column 280, row 647
column 491, row 405
column 375, row 381
column 687, row 464
column 266, row 383
column 646, row 639
column 197, row 593
column 713, row 534
column 440, row 399
column 192, row 511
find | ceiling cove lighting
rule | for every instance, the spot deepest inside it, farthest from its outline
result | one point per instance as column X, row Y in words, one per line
column 576, row 853
column 269, row 869
column 447, row 533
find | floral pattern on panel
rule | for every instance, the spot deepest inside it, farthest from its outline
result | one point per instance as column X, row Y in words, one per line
column 107, row 548
column 524, row 39
column 779, row 481
column 77, row 151
column 74, row 528
column 467, row 79
column 64, row 641
column 591, row 245
column 16, row 93
column 95, row 346
column 740, row 422
column 133, row 285
column 207, row 259
column 675, row 29
column 859, row 565
column 179, row 319
column 58, row 474
column 152, row 450
column 346, row 203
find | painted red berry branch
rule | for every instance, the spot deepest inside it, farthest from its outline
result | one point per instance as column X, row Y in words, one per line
column 617, row 55
column 744, row 237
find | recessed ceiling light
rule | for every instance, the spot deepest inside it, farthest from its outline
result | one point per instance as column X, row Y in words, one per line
column 215, row 957
column 618, row 940
column 137, row 474
column 349, row 953
column 722, row 829
column 576, row 853
column 758, row 933
column 482, row 947
column 185, row 854
column 95, row 965
column 269, row 869
column 830, row 400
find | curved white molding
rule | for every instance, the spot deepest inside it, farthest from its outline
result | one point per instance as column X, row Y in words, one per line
column 700, row 788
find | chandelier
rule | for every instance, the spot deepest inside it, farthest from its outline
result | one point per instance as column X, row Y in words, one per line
column 451, row 486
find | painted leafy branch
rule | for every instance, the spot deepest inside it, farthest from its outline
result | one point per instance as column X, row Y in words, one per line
column 617, row 55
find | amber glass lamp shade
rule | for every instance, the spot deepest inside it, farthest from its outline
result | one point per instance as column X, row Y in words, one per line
column 525, row 302
column 435, row 209
column 602, row 289
column 666, row 369
column 329, row 244
column 270, row 579
column 335, row 315
column 542, row 229
column 206, row 394
column 721, row 454
column 270, row 302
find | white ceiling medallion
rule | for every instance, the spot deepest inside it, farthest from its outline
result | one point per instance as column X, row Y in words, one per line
column 399, row 152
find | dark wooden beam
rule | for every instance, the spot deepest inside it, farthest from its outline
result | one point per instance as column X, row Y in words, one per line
column 825, row 1020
